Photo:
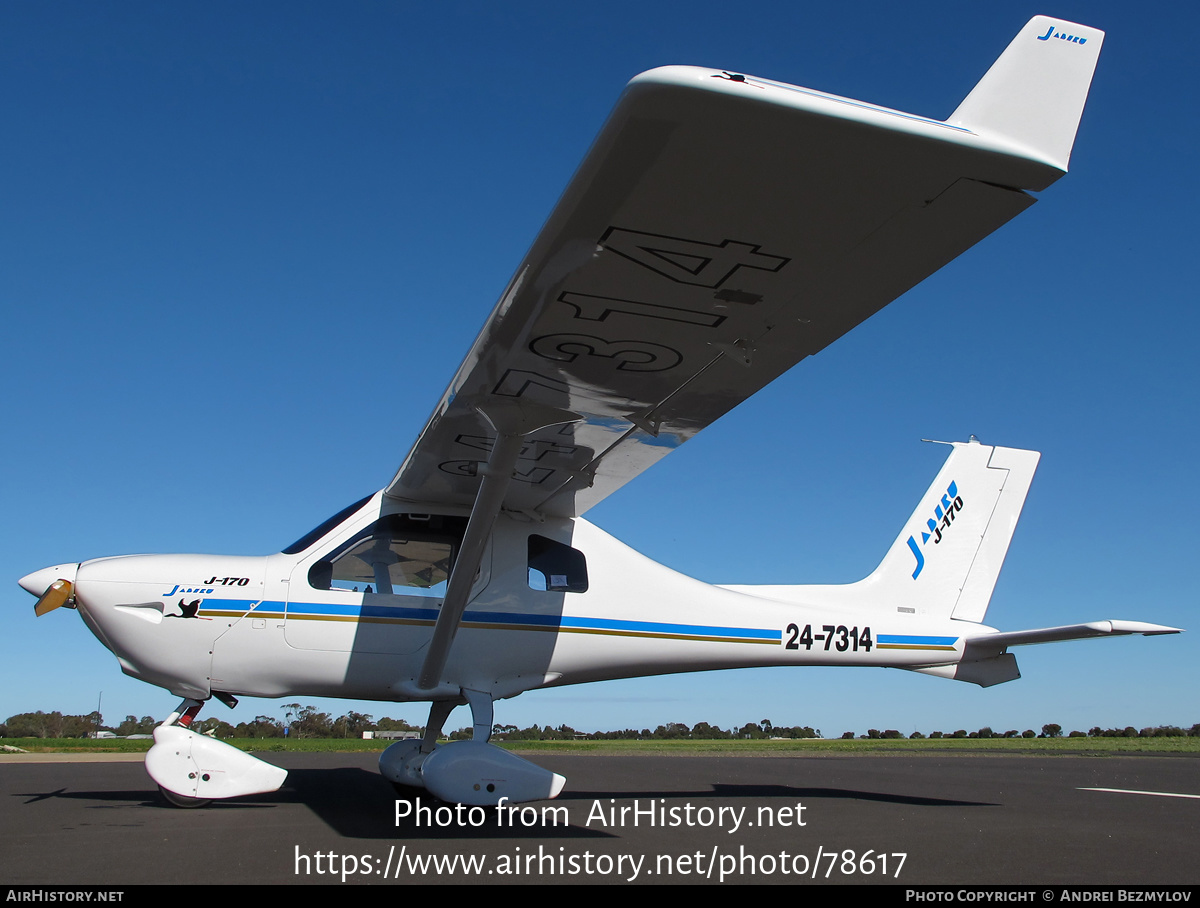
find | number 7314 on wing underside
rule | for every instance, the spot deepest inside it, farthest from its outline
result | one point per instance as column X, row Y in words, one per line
column 721, row 229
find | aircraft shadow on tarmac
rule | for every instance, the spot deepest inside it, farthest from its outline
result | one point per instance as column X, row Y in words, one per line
column 720, row 790
column 359, row 803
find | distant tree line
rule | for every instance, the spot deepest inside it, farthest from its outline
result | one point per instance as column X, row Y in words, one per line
column 302, row 721
column 305, row 722
column 673, row 731
column 308, row 722
column 1048, row 731
column 50, row 725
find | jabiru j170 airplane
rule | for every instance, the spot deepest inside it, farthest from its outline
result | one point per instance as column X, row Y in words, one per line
column 722, row 228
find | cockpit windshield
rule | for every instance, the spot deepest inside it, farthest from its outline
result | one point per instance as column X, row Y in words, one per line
column 316, row 533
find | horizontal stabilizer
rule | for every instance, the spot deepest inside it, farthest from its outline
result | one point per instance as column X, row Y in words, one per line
column 1032, row 98
column 985, row 661
column 992, row 644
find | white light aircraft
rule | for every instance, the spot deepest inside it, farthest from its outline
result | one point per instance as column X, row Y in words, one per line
column 721, row 229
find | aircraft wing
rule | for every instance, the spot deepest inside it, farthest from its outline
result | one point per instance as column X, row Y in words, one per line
column 722, row 228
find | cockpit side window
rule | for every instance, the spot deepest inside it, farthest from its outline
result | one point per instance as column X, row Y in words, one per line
column 397, row 555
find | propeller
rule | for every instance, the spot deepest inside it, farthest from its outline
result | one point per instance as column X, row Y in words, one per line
column 57, row 594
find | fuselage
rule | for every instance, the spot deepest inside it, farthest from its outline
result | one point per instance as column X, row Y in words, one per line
column 554, row 602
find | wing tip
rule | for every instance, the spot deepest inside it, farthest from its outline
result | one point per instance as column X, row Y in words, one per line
column 1032, row 97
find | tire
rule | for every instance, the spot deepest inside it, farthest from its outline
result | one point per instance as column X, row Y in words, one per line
column 178, row 800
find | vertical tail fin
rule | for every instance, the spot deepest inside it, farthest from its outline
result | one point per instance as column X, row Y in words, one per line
column 947, row 558
column 1033, row 95
column 948, row 555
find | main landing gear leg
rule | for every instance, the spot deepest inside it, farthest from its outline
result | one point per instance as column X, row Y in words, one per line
column 439, row 711
column 481, row 715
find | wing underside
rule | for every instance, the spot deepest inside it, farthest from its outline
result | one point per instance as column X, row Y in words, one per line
column 719, row 231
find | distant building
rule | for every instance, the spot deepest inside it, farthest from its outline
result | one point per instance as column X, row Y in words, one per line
column 391, row 735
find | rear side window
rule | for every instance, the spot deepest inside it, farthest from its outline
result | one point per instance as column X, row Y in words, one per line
column 556, row 567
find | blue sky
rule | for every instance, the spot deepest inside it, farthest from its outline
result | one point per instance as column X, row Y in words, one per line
column 245, row 247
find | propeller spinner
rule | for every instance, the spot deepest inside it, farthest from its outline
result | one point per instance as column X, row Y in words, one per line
column 52, row 587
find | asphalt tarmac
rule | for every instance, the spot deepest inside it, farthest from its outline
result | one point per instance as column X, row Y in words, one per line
column 896, row 820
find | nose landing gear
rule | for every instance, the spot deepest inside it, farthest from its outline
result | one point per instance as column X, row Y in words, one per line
column 193, row 770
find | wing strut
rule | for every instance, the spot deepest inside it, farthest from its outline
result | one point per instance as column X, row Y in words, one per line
column 512, row 423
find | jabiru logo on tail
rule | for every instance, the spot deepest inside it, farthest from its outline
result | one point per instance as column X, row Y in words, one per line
column 943, row 516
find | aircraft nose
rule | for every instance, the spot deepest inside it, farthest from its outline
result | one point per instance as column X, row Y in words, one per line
column 37, row 582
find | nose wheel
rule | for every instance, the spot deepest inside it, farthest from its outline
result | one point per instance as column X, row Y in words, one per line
column 178, row 800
